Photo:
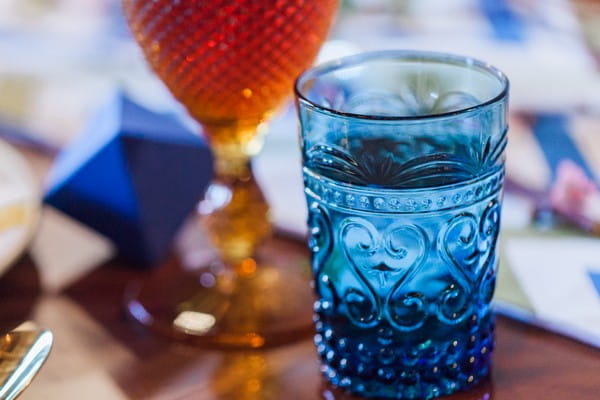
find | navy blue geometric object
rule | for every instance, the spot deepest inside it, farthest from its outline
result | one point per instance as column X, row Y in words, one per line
column 595, row 277
column 134, row 175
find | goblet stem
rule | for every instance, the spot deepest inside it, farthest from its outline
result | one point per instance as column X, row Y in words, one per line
column 234, row 210
column 236, row 216
column 234, row 142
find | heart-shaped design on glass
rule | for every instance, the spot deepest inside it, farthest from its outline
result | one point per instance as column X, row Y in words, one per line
column 376, row 259
column 469, row 246
column 394, row 252
column 460, row 241
column 470, row 242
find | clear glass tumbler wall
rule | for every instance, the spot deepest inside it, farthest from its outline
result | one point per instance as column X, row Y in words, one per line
column 403, row 157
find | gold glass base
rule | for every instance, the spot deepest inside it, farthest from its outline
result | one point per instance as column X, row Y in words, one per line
column 262, row 301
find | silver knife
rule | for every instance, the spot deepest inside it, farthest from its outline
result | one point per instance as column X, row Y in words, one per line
column 23, row 351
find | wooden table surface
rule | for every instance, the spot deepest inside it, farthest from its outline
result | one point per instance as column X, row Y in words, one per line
column 100, row 354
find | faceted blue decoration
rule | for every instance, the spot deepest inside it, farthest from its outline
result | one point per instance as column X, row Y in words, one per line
column 595, row 277
column 134, row 175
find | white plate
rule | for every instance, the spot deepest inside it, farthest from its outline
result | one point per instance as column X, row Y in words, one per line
column 19, row 205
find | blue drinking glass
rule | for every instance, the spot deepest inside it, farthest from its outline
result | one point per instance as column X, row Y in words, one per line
column 403, row 157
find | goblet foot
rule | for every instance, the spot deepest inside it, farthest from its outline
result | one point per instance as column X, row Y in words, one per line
column 261, row 301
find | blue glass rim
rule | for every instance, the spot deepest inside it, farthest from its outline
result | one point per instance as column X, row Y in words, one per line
column 400, row 55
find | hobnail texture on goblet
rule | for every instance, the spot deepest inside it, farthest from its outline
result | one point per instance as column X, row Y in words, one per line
column 229, row 60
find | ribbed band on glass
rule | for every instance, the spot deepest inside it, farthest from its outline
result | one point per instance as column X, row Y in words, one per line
column 368, row 199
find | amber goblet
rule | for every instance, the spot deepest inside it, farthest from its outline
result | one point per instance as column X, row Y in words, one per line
column 231, row 63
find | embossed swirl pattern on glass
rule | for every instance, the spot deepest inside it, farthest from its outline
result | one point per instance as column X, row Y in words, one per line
column 403, row 169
